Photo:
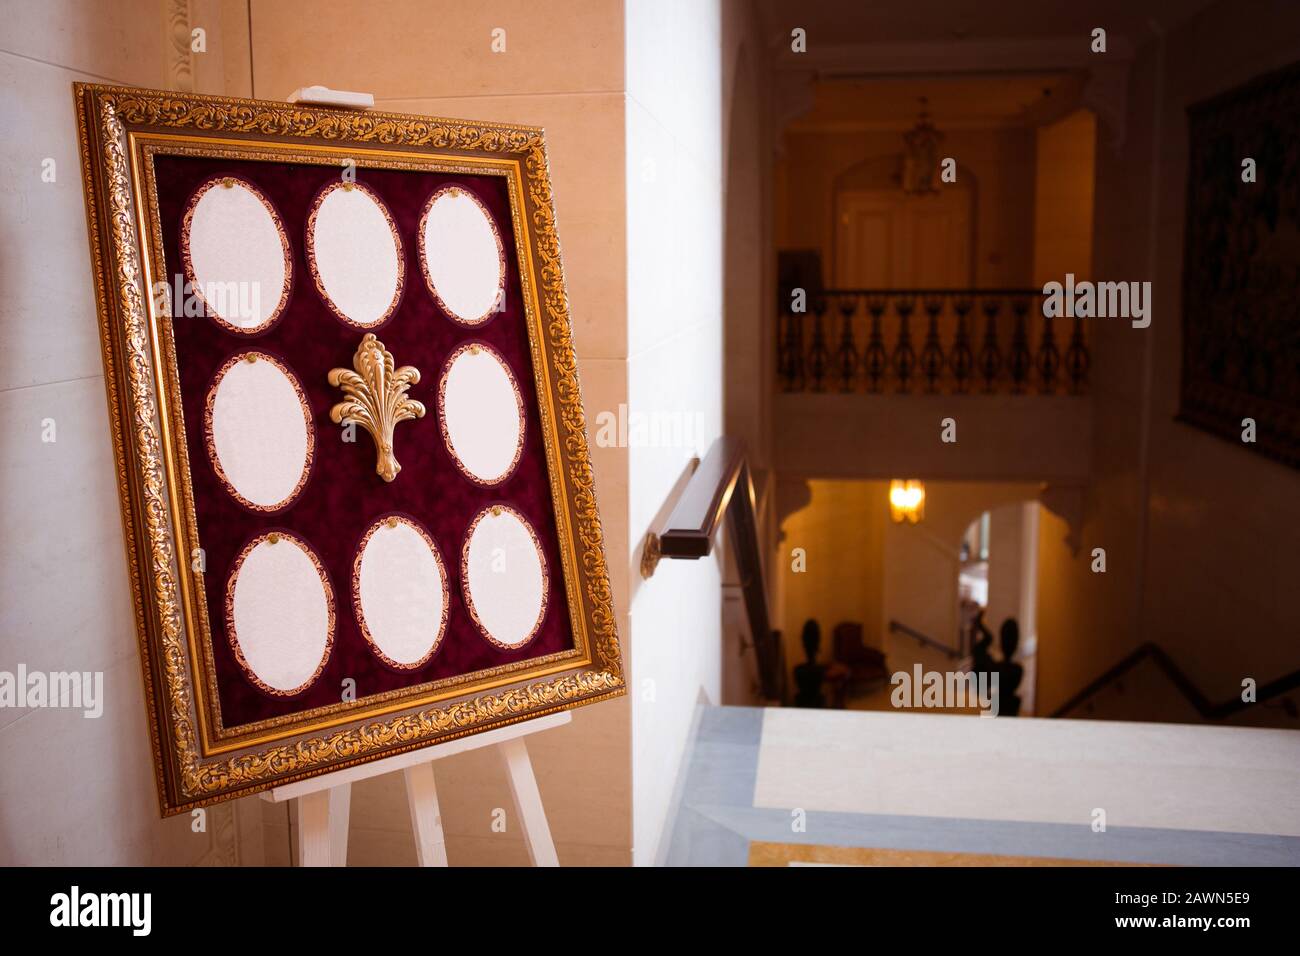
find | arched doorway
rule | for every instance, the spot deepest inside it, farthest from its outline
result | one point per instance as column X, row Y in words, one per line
column 997, row 577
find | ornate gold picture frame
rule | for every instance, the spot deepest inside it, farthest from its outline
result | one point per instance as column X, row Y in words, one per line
column 216, row 733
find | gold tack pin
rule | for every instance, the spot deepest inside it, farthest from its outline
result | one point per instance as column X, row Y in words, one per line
column 228, row 182
column 273, row 537
column 392, row 521
column 496, row 511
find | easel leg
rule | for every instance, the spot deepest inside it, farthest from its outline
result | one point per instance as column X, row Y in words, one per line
column 528, row 802
column 323, row 826
column 340, row 811
column 426, row 820
column 314, row 829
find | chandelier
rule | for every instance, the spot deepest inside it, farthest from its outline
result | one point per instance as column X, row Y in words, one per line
column 921, row 156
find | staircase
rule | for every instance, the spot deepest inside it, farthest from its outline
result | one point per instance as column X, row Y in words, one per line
column 1148, row 685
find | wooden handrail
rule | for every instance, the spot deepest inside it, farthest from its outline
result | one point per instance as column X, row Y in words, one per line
column 722, row 487
column 952, row 293
column 1190, row 691
column 689, row 530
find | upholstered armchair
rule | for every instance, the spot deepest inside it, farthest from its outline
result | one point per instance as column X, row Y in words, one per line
column 864, row 663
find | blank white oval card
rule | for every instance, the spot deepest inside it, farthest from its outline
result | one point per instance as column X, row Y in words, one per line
column 504, row 576
column 281, row 614
column 462, row 255
column 400, row 588
column 260, row 434
column 482, row 414
column 237, row 254
column 355, row 254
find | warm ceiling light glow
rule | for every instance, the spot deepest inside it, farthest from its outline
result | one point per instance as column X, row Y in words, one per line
column 906, row 500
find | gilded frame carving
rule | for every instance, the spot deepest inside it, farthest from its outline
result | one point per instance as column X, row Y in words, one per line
column 198, row 762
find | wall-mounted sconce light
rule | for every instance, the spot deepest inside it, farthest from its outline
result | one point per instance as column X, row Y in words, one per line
column 907, row 500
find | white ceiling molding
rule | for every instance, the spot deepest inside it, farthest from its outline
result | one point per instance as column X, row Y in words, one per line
column 1104, row 84
column 892, row 126
column 864, row 60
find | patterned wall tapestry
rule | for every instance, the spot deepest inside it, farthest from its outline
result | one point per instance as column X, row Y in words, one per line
column 1241, row 270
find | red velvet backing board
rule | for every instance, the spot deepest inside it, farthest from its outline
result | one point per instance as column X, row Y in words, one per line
column 343, row 496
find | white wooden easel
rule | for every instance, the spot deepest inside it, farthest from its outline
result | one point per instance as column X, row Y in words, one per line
column 324, row 801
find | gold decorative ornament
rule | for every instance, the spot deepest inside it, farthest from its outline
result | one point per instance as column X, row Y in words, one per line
column 651, row 553
column 376, row 399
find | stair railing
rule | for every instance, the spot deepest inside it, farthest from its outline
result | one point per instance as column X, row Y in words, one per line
column 1202, row 704
column 897, row 627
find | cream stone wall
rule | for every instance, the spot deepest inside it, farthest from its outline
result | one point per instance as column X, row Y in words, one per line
column 1000, row 437
column 1086, row 621
column 1065, row 170
column 1220, row 579
column 682, row 76
column 73, row 790
column 1202, row 538
column 842, row 537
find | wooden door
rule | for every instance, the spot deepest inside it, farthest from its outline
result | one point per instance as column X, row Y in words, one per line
column 887, row 240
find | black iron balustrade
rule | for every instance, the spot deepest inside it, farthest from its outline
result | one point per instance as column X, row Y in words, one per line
column 976, row 341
